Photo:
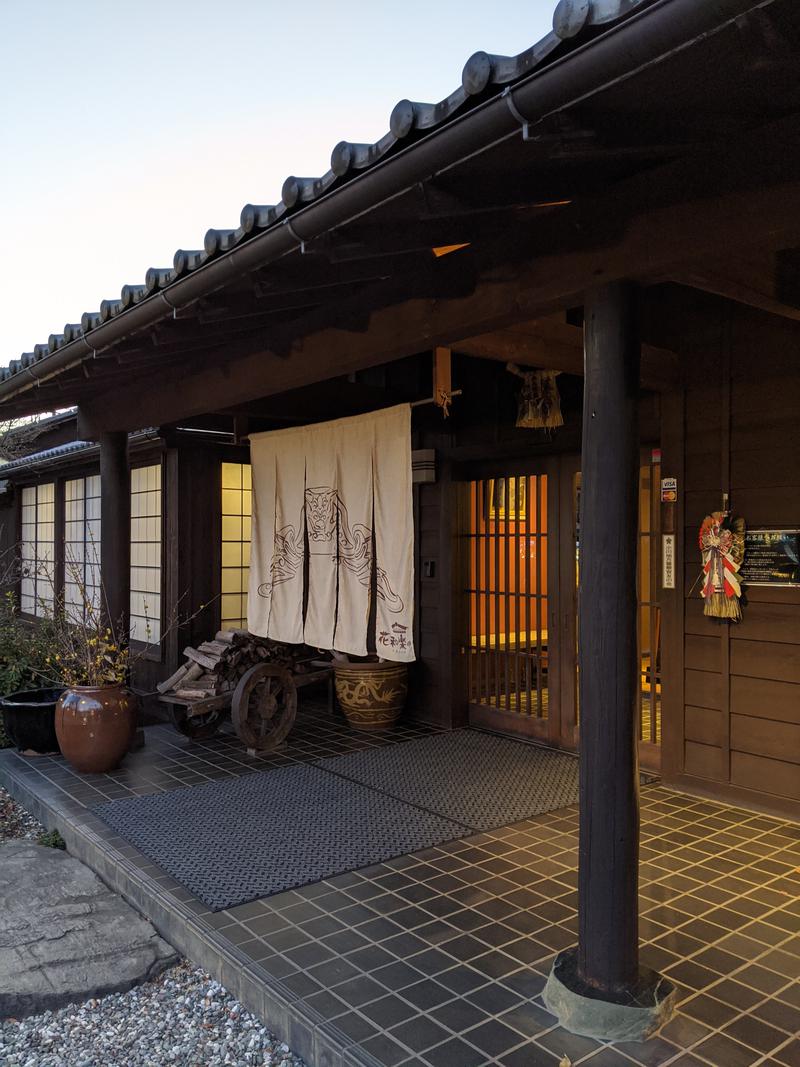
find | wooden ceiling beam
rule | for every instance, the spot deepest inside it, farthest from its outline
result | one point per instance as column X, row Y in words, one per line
column 498, row 301
column 631, row 230
column 660, row 368
column 769, row 281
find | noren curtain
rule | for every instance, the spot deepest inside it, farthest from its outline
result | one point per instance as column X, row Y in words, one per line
column 333, row 527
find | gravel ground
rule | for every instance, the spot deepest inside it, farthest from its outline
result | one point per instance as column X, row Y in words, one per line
column 183, row 1017
column 15, row 822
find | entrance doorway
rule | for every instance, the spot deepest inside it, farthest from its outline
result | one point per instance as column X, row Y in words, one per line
column 512, row 594
column 520, row 550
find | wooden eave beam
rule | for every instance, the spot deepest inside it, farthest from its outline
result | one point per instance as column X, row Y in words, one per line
column 631, row 230
column 754, row 280
column 660, row 369
column 649, row 242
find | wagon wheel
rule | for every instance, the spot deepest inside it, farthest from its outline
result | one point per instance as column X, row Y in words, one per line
column 198, row 727
column 264, row 706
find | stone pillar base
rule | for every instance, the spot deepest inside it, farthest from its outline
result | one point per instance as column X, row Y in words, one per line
column 631, row 1016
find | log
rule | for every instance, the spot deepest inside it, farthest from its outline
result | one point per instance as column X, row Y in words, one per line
column 213, row 648
column 184, row 673
column 203, row 658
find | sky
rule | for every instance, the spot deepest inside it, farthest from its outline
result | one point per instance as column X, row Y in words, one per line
column 128, row 129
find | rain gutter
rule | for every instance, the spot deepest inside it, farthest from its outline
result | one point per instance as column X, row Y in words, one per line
column 619, row 53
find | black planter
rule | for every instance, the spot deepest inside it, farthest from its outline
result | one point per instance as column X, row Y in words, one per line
column 29, row 719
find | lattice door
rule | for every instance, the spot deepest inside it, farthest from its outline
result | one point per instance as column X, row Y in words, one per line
column 506, row 546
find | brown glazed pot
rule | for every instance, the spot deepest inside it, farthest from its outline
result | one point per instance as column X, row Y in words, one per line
column 95, row 726
column 372, row 695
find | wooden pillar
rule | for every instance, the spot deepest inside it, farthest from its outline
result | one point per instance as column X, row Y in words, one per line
column 115, row 533
column 609, row 780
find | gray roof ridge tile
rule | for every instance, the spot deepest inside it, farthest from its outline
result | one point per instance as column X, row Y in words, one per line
column 483, row 74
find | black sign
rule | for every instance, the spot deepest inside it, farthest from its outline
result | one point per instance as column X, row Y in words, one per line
column 771, row 557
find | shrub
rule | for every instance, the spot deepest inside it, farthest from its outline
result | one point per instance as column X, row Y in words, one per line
column 24, row 651
column 51, row 839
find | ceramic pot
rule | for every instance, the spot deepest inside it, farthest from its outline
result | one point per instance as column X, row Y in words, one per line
column 29, row 719
column 371, row 695
column 95, row 726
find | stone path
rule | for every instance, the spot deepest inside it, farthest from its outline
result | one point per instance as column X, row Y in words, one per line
column 64, row 936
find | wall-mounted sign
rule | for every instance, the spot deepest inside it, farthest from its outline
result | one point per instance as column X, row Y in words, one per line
column 771, row 557
column 669, row 490
column 668, row 561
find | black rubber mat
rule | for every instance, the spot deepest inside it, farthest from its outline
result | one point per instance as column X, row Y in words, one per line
column 468, row 777
column 234, row 841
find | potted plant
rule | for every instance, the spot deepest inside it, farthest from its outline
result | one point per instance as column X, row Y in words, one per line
column 96, row 713
column 371, row 692
column 29, row 720
column 28, row 710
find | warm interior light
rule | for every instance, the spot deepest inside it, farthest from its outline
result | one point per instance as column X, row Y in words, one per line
column 552, row 203
column 445, row 250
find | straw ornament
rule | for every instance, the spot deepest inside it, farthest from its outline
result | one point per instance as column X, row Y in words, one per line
column 722, row 548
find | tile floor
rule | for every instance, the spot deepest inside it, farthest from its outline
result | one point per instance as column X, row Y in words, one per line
column 439, row 958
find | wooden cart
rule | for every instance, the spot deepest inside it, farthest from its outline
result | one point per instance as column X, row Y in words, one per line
column 262, row 707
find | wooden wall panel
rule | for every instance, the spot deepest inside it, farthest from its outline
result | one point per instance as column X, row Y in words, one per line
column 703, row 689
column 751, row 429
column 8, row 529
column 766, row 699
column 702, row 470
column 769, row 506
column 706, row 761
column 776, row 740
column 766, row 659
column 765, row 775
column 704, row 725
column 703, row 653
column 765, row 391
column 758, row 467
column 428, row 543
column 699, row 503
column 768, row 622
column 776, row 594
column 741, row 715
column 695, row 621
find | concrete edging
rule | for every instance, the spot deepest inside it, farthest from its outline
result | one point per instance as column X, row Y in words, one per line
column 307, row 1033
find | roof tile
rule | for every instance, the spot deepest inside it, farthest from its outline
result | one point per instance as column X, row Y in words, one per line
column 482, row 73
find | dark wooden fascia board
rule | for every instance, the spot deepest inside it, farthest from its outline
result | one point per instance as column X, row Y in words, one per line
column 619, row 234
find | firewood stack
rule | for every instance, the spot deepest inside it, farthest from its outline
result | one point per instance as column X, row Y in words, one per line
column 215, row 667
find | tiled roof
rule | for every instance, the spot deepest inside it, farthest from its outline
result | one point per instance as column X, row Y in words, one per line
column 48, row 456
column 483, row 76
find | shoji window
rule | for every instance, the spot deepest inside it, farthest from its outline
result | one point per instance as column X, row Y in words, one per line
column 38, row 549
column 82, row 548
column 236, row 512
column 146, row 554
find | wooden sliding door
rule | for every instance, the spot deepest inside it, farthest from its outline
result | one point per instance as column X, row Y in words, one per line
column 520, row 552
column 511, row 591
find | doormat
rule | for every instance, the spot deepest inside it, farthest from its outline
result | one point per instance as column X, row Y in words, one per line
column 476, row 779
column 234, row 841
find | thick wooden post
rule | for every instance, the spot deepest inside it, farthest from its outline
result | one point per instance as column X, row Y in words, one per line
column 599, row 989
column 115, row 532
column 609, row 780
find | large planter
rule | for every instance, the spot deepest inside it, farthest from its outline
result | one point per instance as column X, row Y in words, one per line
column 95, row 726
column 372, row 695
column 29, row 719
